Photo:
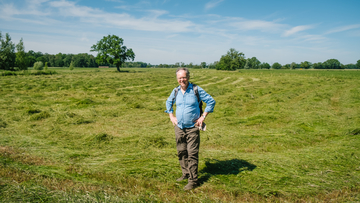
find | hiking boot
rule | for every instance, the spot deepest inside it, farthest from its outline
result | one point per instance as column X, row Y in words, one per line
column 190, row 186
column 183, row 177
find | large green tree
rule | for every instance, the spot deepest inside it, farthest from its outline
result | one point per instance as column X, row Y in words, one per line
column 231, row 61
column 7, row 53
column 358, row 64
column 111, row 51
column 332, row 64
column 21, row 58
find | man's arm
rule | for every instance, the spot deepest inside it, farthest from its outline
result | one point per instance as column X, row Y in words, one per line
column 210, row 104
column 169, row 108
column 205, row 97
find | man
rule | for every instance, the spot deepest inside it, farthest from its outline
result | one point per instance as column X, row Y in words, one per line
column 186, row 124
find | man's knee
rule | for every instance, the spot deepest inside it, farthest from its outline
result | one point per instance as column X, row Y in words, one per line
column 182, row 153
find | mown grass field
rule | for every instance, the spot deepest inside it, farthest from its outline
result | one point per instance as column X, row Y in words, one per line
column 92, row 135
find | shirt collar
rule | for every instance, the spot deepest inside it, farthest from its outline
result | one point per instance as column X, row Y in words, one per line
column 190, row 86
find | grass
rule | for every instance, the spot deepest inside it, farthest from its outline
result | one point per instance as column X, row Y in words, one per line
column 102, row 136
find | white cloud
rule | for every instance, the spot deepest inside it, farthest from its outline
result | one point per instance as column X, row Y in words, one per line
column 343, row 28
column 297, row 29
column 171, row 36
column 157, row 13
column 313, row 38
column 139, row 6
column 32, row 8
column 212, row 4
column 32, row 13
column 118, row 1
column 265, row 26
column 122, row 20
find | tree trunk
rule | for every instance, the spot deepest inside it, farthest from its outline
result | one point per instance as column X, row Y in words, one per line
column 118, row 68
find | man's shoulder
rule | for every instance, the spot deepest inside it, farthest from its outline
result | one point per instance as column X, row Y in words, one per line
column 197, row 87
column 176, row 88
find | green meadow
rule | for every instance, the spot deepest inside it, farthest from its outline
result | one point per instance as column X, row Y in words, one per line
column 97, row 135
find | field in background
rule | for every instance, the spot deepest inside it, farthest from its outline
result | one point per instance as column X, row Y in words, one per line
column 100, row 135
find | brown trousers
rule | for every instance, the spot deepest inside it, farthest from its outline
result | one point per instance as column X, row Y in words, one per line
column 187, row 145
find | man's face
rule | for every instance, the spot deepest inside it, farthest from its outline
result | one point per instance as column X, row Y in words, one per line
column 183, row 80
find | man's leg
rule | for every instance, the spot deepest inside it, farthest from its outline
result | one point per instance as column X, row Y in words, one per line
column 193, row 144
column 181, row 147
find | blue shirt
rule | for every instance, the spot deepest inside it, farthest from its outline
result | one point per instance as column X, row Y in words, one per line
column 187, row 105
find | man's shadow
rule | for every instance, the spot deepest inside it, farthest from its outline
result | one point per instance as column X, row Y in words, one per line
column 225, row 167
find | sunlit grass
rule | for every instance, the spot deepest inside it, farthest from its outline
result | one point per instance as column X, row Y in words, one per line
column 100, row 135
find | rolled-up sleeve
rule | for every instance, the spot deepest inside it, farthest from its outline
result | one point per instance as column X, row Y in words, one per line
column 170, row 102
column 205, row 97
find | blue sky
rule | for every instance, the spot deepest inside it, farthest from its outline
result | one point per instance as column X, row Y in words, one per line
column 170, row 31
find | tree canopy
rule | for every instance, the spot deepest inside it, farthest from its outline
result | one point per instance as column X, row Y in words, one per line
column 276, row 65
column 265, row 65
column 252, row 63
column 332, row 64
column 294, row 65
column 305, row 64
column 111, row 51
column 7, row 53
column 21, row 59
column 231, row 61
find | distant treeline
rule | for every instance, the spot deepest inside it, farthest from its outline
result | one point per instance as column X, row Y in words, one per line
column 82, row 60
column 234, row 60
column 21, row 60
column 62, row 60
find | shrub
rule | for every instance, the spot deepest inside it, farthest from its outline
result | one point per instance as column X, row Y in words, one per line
column 46, row 66
column 38, row 65
column 71, row 67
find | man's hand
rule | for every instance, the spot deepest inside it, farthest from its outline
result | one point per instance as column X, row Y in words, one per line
column 199, row 121
column 173, row 119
